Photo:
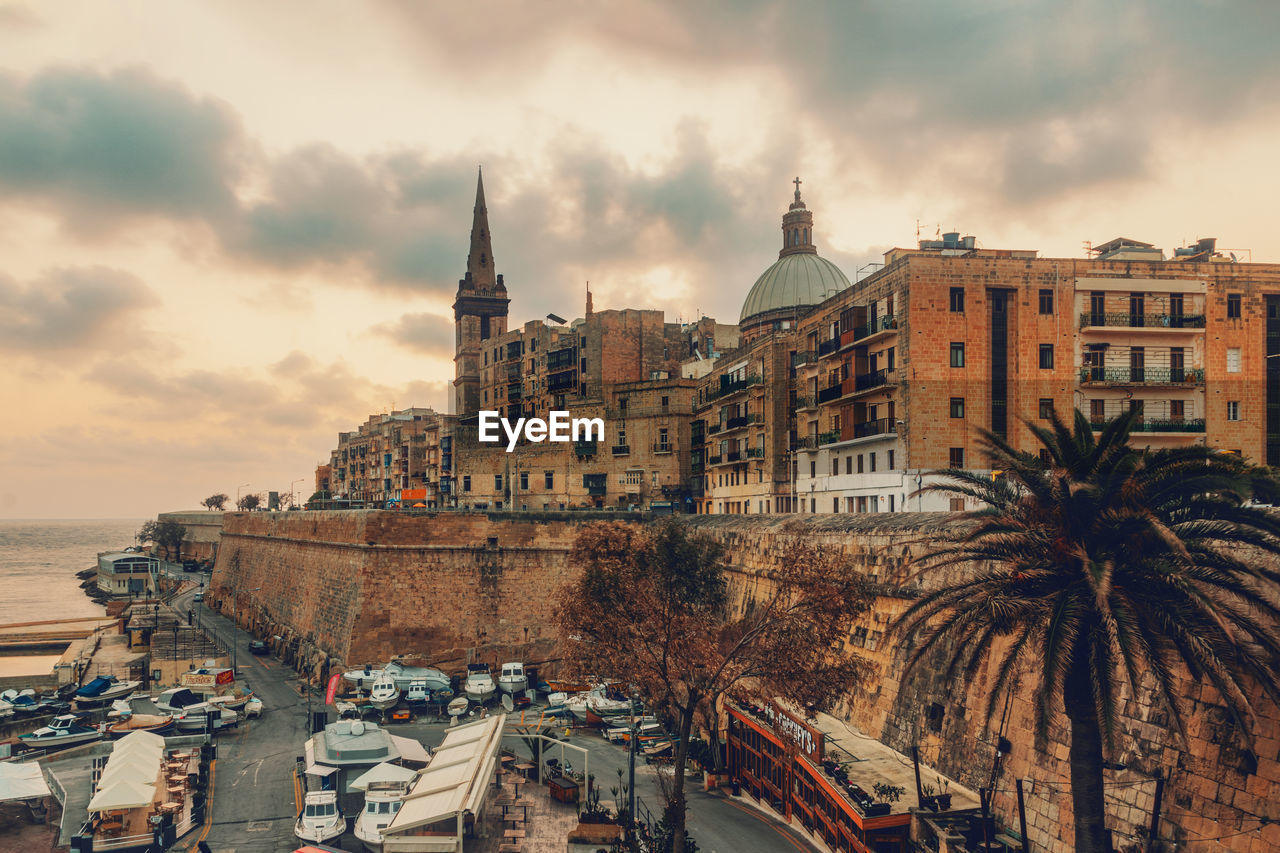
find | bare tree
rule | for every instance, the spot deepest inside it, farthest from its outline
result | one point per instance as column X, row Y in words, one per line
column 215, row 502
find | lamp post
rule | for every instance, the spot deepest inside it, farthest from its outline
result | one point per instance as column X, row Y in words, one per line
column 293, row 499
column 631, row 762
column 238, row 488
column 235, row 623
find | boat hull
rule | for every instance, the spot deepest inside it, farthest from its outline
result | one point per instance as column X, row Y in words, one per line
column 513, row 685
column 59, row 741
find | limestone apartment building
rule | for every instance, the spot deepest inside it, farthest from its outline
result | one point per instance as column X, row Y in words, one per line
column 831, row 396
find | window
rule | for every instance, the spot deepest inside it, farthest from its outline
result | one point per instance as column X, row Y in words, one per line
column 549, row 479
column 872, row 458
column 1097, row 411
column 666, row 401
column 890, row 358
column 524, row 481
column 957, row 457
column 1233, row 410
column 1046, row 301
column 860, row 463
column 890, row 460
column 835, row 466
column 1233, row 359
column 957, row 407
column 957, row 354
column 848, row 464
column 957, row 504
column 835, row 504
column 957, row 300
column 1046, row 408
column 1046, row 356
column 466, row 482
column 813, row 470
column 1177, row 410
column 1233, row 305
column 1137, row 364
column 497, row 482
column 1045, row 458
column 891, row 497
column 862, row 503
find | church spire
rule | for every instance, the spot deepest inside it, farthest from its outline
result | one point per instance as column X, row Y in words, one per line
column 480, row 258
column 797, row 228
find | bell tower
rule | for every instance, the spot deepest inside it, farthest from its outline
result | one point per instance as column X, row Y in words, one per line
column 479, row 310
column 797, row 228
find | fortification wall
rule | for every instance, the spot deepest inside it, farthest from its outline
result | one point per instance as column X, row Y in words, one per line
column 348, row 587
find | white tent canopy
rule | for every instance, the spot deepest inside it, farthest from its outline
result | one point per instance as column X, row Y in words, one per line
column 383, row 772
column 21, row 782
column 150, row 738
column 122, row 795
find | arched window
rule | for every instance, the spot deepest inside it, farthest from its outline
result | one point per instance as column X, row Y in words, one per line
column 806, row 235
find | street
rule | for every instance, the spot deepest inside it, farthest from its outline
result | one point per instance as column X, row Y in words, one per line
column 253, row 805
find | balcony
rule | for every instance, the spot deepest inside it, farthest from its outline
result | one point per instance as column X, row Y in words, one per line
column 584, row 448
column 830, row 437
column 513, row 372
column 880, row 426
column 827, row 347
column 808, row 401
column 808, row 442
column 714, row 428
column 621, row 449
column 754, row 452
column 714, row 460
column 559, row 359
column 831, row 392
column 727, row 388
column 1155, row 322
column 661, row 447
column 697, row 467
column 733, row 456
column 515, row 392
column 1158, row 424
column 875, row 327
column 875, row 379
column 741, row 421
column 1142, row 375
column 562, row 381
column 806, row 357
column 515, row 349
column 597, row 489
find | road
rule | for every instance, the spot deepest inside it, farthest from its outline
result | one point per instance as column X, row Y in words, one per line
column 253, row 807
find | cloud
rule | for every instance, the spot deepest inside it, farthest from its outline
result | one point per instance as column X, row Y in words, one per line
column 72, row 308
column 106, row 148
column 430, row 334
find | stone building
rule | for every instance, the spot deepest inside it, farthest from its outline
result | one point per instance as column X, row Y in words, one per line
column 391, row 457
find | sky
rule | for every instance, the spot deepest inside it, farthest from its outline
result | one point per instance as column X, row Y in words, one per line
column 230, row 230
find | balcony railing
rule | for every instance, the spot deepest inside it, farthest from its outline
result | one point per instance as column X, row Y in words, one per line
column 808, row 442
column 727, row 388
column 806, row 357
column 827, row 347
column 661, row 447
column 875, row 379
column 733, row 456
column 561, row 381
column 1141, row 321
column 515, row 392
column 830, row 437
column 741, row 421
column 879, row 324
column 831, row 392
column 880, row 426
column 755, row 452
column 584, row 448
column 1158, row 424
column 808, row 401
column 513, row 372
column 714, row 460
column 714, row 428
column 561, row 358
column 621, row 449
column 1144, row 375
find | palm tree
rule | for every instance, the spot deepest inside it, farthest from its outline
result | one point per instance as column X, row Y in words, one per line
column 1094, row 566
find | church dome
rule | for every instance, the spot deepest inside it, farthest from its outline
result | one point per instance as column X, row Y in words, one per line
column 799, row 279
column 794, row 281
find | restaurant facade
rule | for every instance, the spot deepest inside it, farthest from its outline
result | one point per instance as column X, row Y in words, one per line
column 779, row 759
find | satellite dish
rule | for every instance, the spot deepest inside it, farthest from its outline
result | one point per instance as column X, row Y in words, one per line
column 507, row 704
column 357, row 728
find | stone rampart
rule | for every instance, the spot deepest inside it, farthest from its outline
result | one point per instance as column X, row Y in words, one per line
column 347, row 587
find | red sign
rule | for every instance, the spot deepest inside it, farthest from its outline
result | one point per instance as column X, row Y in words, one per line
column 332, row 690
column 227, row 676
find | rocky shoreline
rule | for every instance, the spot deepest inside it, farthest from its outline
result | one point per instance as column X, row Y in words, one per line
column 89, row 583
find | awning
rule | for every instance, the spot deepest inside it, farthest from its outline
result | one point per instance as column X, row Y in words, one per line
column 21, row 782
column 123, row 795
column 410, row 749
column 456, row 780
column 383, row 772
column 321, row 770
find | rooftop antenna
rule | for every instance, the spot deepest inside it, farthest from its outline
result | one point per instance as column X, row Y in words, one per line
column 917, row 230
column 1088, row 248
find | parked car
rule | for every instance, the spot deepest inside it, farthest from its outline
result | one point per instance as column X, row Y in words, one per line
column 199, row 597
column 259, row 647
column 190, row 566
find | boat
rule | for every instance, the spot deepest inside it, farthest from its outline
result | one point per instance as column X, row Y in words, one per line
column 362, row 678
column 512, row 679
column 102, row 690
column 65, row 730
column 596, row 704
column 381, row 802
column 196, row 718
column 236, row 700
column 646, row 732
column 347, row 711
column 458, row 706
column 176, row 699
column 405, row 675
column 555, row 703
column 384, row 693
column 479, row 686
column 417, row 694
column 320, row 819
column 157, row 724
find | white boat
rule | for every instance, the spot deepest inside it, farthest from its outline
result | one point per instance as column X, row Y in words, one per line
column 479, row 687
column 381, row 802
column 555, row 703
column 195, row 718
column 512, row 679
column 458, row 706
column 176, row 699
column 320, row 819
column 384, row 693
column 596, row 702
column 235, row 700
column 253, row 708
column 362, row 678
column 417, row 694
column 103, row 690
column 64, row 730
column 405, row 675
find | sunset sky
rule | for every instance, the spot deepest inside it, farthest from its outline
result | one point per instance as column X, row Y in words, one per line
column 229, row 230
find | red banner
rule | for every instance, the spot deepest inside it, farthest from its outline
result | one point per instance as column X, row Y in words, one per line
column 332, row 690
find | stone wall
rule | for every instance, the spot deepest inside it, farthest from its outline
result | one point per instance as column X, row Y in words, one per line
column 350, row 587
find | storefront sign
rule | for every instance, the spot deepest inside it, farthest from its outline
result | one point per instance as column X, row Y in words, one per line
column 206, row 678
column 792, row 727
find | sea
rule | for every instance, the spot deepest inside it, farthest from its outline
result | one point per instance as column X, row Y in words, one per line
column 38, row 563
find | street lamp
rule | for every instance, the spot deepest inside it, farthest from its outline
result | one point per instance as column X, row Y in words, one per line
column 631, row 760
column 293, row 499
column 235, row 624
column 238, row 488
